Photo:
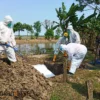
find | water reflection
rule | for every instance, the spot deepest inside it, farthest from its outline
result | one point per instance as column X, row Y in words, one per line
column 36, row 48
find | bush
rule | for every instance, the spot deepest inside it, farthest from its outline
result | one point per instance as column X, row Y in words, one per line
column 49, row 34
column 57, row 37
column 20, row 37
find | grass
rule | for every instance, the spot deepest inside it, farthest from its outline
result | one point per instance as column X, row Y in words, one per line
column 76, row 89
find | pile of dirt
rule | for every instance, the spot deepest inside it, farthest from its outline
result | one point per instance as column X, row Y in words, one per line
column 20, row 80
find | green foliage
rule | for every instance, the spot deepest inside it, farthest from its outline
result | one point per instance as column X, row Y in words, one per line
column 58, row 33
column 86, row 2
column 49, row 34
column 54, row 97
column 89, row 26
column 82, row 21
column 66, row 17
column 27, row 27
column 32, row 37
column 20, row 37
column 21, row 27
column 37, row 28
column 57, row 37
column 92, row 4
column 18, row 27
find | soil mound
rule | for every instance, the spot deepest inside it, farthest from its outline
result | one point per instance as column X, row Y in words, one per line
column 20, row 80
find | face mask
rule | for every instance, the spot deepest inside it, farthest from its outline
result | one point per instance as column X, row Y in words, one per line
column 10, row 25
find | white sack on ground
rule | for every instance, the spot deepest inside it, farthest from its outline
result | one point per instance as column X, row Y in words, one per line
column 43, row 70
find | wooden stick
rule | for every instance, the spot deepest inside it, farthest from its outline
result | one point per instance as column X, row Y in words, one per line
column 89, row 85
column 64, row 69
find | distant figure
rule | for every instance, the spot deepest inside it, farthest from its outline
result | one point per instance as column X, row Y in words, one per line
column 62, row 40
column 74, row 36
column 7, row 38
column 75, row 55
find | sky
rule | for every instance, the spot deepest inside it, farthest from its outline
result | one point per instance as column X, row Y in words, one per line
column 30, row 11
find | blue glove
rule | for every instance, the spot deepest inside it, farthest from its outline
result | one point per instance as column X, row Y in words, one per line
column 7, row 44
column 15, row 49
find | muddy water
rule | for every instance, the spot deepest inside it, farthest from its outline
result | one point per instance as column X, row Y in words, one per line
column 36, row 48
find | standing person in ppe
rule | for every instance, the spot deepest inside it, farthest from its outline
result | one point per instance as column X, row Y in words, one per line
column 62, row 40
column 75, row 55
column 7, row 38
column 73, row 35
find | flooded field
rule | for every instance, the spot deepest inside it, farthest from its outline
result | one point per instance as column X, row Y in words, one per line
column 36, row 48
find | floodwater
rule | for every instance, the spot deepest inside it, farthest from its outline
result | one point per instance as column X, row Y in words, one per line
column 36, row 48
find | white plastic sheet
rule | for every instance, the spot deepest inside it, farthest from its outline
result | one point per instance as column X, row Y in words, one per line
column 43, row 70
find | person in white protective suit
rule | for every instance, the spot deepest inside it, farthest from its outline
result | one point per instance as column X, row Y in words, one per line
column 74, row 36
column 75, row 55
column 62, row 40
column 7, row 37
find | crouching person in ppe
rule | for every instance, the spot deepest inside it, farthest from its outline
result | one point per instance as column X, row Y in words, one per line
column 62, row 40
column 7, row 39
column 76, row 53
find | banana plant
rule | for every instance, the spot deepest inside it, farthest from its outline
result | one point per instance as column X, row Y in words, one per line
column 66, row 17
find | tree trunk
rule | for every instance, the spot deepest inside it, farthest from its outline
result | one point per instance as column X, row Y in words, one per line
column 19, row 34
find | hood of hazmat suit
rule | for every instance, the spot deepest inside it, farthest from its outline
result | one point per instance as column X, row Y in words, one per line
column 74, row 36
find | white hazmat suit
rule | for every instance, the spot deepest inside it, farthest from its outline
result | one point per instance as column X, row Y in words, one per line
column 73, row 35
column 62, row 40
column 7, row 36
column 76, row 53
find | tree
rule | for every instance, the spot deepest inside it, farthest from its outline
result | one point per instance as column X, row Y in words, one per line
column 49, row 34
column 58, row 33
column 18, row 27
column 79, row 24
column 66, row 17
column 92, row 4
column 37, row 28
column 86, row 2
column 48, row 24
column 28, row 28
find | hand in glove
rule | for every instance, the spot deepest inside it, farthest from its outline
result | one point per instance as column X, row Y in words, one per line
column 54, row 58
column 65, row 54
column 7, row 44
column 15, row 49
